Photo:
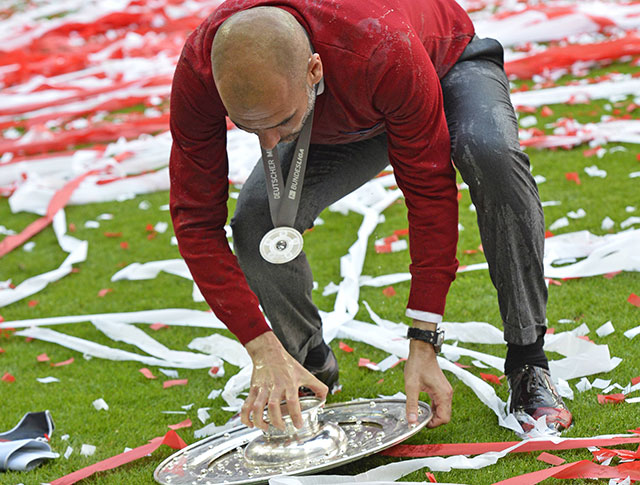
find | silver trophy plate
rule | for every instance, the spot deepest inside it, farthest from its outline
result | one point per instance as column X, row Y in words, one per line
column 281, row 245
column 331, row 436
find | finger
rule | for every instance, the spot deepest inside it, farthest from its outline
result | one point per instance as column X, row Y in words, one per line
column 275, row 409
column 293, row 406
column 257, row 410
column 245, row 412
column 317, row 386
column 441, row 408
column 412, row 391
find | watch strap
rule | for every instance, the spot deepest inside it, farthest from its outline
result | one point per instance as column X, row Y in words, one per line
column 436, row 338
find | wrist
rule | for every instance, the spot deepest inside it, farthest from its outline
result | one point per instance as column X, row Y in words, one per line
column 424, row 325
column 427, row 334
column 264, row 344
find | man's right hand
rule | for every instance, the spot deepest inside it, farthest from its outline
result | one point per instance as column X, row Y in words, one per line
column 276, row 377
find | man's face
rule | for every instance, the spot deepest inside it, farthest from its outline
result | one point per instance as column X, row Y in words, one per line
column 277, row 118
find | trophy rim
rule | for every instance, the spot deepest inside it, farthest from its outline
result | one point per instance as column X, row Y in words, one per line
column 240, row 436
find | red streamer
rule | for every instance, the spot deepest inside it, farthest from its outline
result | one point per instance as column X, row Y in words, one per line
column 58, row 201
column 563, row 57
column 449, row 449
column 170, row 439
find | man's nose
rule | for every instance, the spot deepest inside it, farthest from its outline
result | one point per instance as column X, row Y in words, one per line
column 269, row 138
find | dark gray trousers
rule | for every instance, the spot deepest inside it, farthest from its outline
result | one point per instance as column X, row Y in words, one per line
column 485, row 149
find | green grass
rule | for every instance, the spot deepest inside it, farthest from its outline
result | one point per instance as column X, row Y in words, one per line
column 136, row 404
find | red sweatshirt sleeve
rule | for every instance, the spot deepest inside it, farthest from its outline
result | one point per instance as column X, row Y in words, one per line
column 199, row 191
column 406, row 89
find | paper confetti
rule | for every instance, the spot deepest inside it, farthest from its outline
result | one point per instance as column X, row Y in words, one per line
column 611, row 398
column 491, row 378
column 8, row 378
column 100, row 404
column 344, row 347
column 176, row 382
column 551, row 459
column 87, row 450
column 182, row 424
column 47, row 380
column 606, row 329
column 147, row 373
column 64, row 362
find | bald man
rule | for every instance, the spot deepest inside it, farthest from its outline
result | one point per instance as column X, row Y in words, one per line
column 343, row 89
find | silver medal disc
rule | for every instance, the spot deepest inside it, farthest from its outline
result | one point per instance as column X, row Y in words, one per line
column 281, row 245
column 331, row 436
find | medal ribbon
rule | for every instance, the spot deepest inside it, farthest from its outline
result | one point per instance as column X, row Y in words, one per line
column 284, row 197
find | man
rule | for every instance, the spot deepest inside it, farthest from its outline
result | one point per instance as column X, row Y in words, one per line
column 398, row 81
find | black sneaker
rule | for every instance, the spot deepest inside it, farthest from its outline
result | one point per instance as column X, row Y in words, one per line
column 533, row 395
column 328, row 374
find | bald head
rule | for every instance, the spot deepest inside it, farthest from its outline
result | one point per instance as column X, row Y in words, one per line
column 257, row 53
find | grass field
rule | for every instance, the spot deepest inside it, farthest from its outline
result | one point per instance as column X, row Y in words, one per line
column 136, row 404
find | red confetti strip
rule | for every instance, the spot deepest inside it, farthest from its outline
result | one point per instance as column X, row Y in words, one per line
column 612, row 275
column 566, row 56
column 551, row 331
column 124, row 245
column 611, row 398
column 380, row 381
column 591, row 151
column 548, row 234
column 43, row 358
column 183, row 424
column 32, row 303
column 7, row 378
column 573, row 177
column 431, row 477
column 1, row 350
column 635, row 381
column 170, row 439
column 545, row 112
column 491, row 378
column 344, row 347
column 158, row 326
column 112, row 234
column 389, row 291
column 579, row 469
column 175, row 382
column 450, row 449
column 462, row 366
column 401, row 232
column 398, row 362
column 551, row 459
column 64, row 362
column 147, row 373
column 382, row 248
column 58, row 201
column 634, row 299
column 104, row 291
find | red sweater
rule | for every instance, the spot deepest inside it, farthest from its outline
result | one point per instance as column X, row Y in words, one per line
column 382, row 63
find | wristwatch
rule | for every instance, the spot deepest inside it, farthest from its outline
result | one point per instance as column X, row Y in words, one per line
column 435, row 338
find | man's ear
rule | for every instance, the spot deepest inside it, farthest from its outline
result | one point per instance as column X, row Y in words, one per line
column 314, row 71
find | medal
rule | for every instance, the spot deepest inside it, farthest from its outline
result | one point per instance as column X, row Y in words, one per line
column 281, row 245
